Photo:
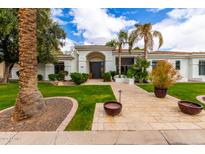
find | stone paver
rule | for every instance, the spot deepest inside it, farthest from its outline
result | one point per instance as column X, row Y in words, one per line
column 143, row 111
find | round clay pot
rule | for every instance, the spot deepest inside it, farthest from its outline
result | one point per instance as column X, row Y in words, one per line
column 112, row 108
column 160, row 92
column 189, row 107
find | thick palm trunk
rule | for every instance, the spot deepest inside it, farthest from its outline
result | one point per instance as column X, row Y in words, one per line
column 119, row 62
column 29, row 101
column 7, row 71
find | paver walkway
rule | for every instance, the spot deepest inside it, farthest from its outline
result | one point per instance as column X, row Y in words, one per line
column 143, row 111
column 103, row 137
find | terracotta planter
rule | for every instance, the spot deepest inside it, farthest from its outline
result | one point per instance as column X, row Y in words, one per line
column 112, row 108
column 190, row 107
column 160, row 92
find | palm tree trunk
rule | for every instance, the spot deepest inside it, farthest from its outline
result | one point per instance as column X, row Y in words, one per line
column 119, row 61
column 29, row 101
column 145, row 47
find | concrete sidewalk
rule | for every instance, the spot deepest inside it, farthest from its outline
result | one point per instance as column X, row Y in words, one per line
column 153, row 137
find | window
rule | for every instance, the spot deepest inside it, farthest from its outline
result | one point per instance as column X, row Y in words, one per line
column 126, row 63
column 59, row 67
column 177, row 64
column 202, row 67
column 154, row 63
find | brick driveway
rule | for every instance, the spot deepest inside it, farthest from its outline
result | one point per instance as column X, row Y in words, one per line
column 143, row 111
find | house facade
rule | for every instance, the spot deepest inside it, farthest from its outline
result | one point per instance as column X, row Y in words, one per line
column 96, row 59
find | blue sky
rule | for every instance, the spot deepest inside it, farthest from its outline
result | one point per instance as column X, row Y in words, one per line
column 96, row 26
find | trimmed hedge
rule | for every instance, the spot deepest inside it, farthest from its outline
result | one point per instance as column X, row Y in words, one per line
column 79, row 78
column 52, row 77
column 60, row 76
column 40, row 77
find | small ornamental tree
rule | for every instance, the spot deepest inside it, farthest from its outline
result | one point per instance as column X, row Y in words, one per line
column 164, row 75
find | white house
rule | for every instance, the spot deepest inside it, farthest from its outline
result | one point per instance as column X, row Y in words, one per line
column 96, row 59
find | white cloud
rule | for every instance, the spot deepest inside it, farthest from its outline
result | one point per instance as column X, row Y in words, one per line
column 69, row 45
column 154, row 10
column 183, row 30
column 56, row 14
column 97, row 26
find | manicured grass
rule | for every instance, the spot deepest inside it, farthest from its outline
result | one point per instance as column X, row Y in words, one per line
column 86, row 95
column 184, row 91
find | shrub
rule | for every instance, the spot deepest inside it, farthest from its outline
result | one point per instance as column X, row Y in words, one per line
column 52, row 77
column 107, row 77
column 40, row 77
column 79, row 78
column 85, row 77
column 164, row 75
column 61, row 75
column 113, row 73
column 139, row 70
column 130, row 73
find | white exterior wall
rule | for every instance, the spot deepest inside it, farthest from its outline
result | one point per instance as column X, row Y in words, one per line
column 194, row 64
column 13, row 72
column 84, row 65
column 49, row 69
column 41, row 70
column 1, row 70
column 184, row 67
column 189, row 66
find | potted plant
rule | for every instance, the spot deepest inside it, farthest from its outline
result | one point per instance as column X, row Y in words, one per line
column 163, row 76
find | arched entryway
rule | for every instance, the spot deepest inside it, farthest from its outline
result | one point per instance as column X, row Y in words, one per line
column 96, row 64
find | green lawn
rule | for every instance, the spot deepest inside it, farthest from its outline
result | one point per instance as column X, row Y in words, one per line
column 184, row 91
column 86, row 95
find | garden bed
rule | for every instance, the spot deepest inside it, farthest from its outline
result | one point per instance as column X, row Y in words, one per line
column 57, row 110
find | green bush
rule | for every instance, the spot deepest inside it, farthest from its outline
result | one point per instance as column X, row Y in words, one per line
column 130, row 73
column 85, row 77
column 113, row 73
column 107, row 77
column 79, row 78
column 52, row 77
column 139, row 70
column 61, row 75
column 40, row 77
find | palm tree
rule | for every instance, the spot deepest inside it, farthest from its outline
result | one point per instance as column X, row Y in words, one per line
column 144, row 31
column 29, row 101
column 122, row 40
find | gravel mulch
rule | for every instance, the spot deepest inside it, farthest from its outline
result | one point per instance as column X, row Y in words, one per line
column 56, row 111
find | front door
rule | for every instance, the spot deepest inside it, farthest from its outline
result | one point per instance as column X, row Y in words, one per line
column 95, row 69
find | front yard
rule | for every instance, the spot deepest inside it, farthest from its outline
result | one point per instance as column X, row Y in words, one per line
column 86, row 95
column 184, row 91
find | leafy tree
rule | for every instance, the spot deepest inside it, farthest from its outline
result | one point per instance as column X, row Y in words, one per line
column 8, row 39
column 49, row 38
column 139, row 70
column 144, row 31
